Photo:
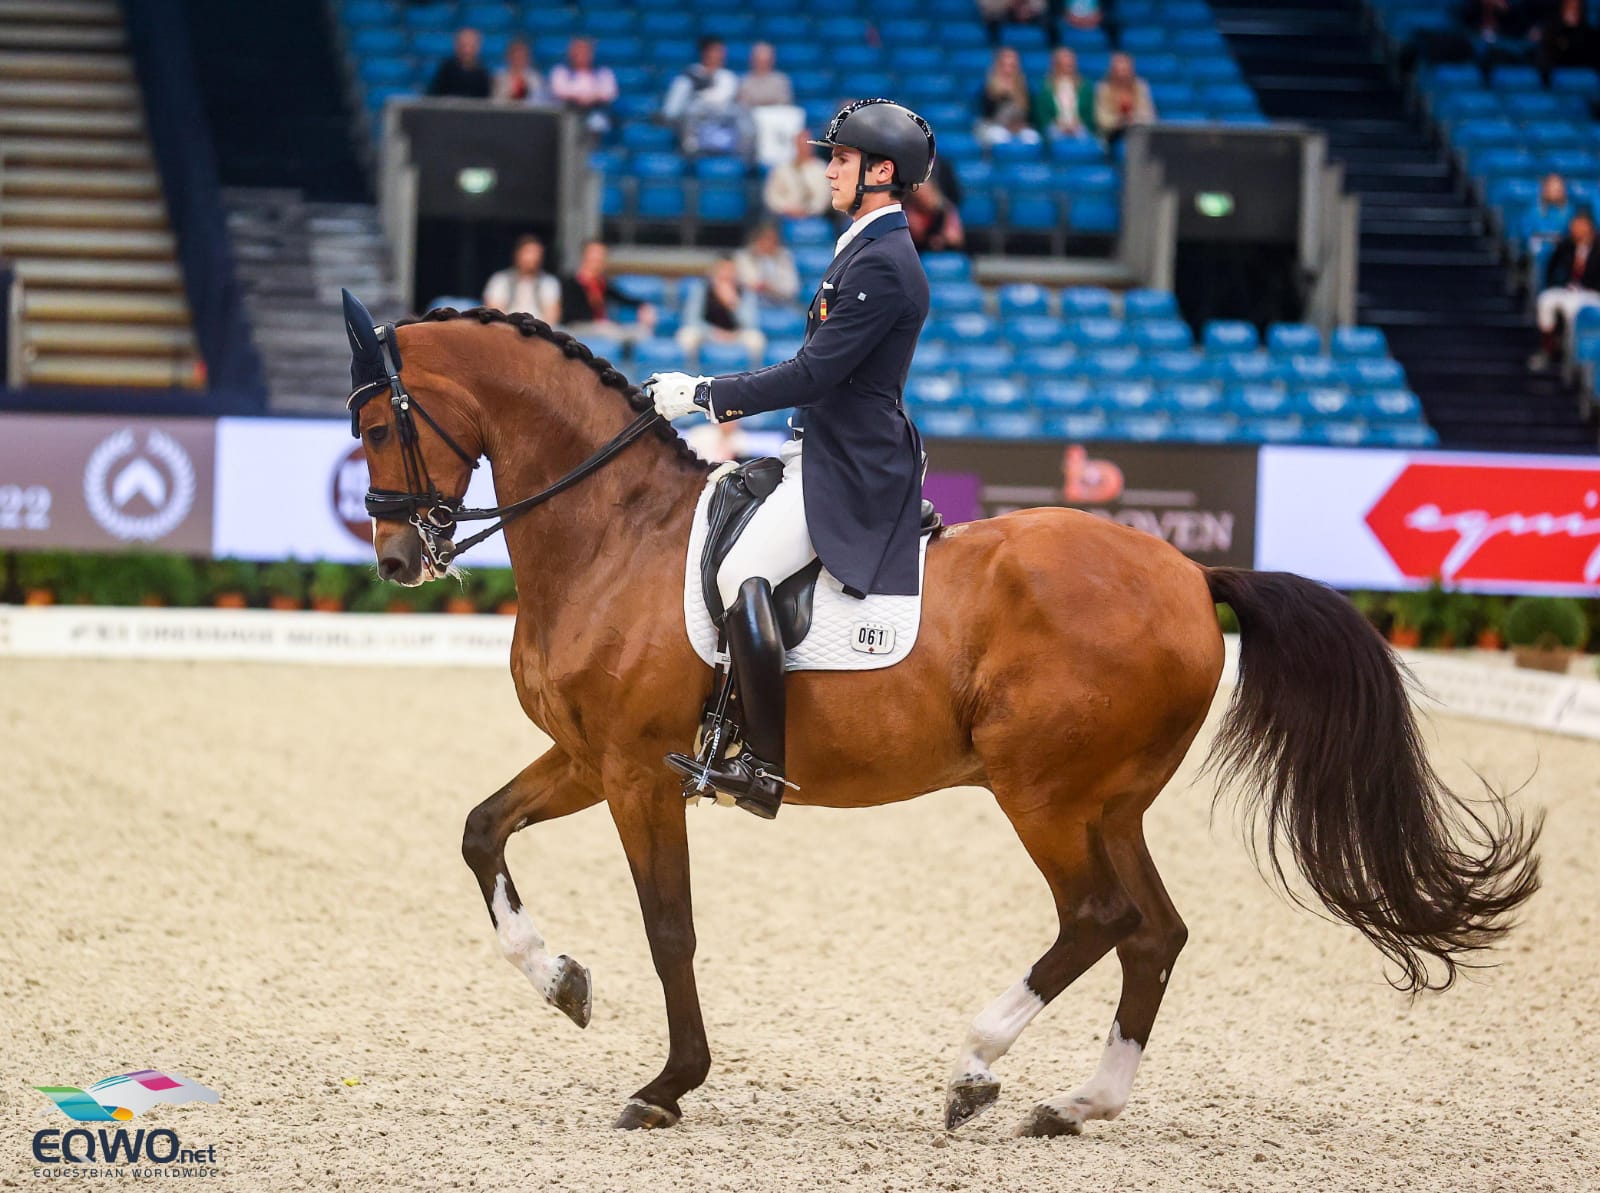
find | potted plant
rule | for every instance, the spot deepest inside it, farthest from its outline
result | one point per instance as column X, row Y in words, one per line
column 49, row 577
column 1457, row 618
column 422, row 598
column 497, row 590
column 373, row 598
column 332, row 585
column 285, row 582
column 231, row 583
column 1374, row 606
column 463, row 597
column 1546, row 631
column 141, row 578
column 1412, row 617
column 1491, row 623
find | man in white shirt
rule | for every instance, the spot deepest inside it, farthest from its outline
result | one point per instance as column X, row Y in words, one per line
column 705, row 86
column 525, row 287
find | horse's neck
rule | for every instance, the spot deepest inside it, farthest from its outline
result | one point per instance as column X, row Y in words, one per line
column 587, row 546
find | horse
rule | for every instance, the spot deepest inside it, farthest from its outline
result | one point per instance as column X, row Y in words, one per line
column 1064, row 662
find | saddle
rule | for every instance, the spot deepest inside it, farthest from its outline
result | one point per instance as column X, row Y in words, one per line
column 734, row 501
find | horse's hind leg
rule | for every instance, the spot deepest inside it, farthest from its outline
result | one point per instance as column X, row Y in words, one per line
column 1147, row 955
column 1095, row 912
column 545, row 790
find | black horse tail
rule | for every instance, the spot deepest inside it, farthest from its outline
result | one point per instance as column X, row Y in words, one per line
column 1320, row 739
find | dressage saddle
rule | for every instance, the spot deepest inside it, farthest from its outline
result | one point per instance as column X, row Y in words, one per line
column 737, row 497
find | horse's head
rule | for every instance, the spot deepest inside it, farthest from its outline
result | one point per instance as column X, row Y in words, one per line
column 421, row 445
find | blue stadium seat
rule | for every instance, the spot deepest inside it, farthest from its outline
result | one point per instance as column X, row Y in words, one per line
column 955, row 423
column 1016, row 151
column 1161, row 335
column 993, row 392
column 1326, row 402
column 658, row 355
column 1403, row 435
column 1179, row 94
column 433, row 44
column 1085, row 301
column 1023, row 298
column 1336, row 432
column 933, row 356
column 721, row 168
column 1094, row 215
column 982, row 357
column 1515, row 78
column 1140, row 428
column 666, row 23
column 1088, row 424
column 1074, row 151
column 1213, row 68
column 1062, row 393
column 487, row 18
column 811, row 262
column 947, row 267
column 378, row 72
column 1377, row 373
column 368, row 12
column 1230, row 335
column 1010, row 424
column 1391, row 405
column 933, row 390
column 611, row 201
column 1186, row 366
column 781, row 321
column 1097, row 331
column 1293, row 339
column 721, row 202
column 1036, row 212
column 1250, row 368
column 661, row 201
column 1149, row 304
column 1128, row 397
column 1203, row 428
column 1040, row 361
column 1110, row 364
column 809, row 232
column 1313, row 370
column 956, row 297
column 1193, row 398
column 648, row 138
column 430, row 16
column 1257, row 400
column 366, row 42
column 968, row 327
column 644, row 287
column 1359, row 342
column 979, row 209
column 1139, row 38
column 1288, row 429
column 719, row 356
column 1579, row 80
column 1033, row 330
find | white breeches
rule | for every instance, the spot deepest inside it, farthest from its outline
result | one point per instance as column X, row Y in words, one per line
column 1563, row 302
column 775, row 543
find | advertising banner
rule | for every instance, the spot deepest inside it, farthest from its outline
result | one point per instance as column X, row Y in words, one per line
column 290, row 488
column 91, row 483
column 1202, row 500
column 1394, row 519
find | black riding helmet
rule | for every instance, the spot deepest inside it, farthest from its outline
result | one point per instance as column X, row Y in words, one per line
column 883, row 131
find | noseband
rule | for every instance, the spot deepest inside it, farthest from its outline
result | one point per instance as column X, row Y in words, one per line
column 434, row 515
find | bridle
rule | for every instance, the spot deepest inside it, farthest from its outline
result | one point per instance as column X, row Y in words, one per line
column 421, row 503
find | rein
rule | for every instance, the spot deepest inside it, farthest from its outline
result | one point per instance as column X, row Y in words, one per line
column 422, row 504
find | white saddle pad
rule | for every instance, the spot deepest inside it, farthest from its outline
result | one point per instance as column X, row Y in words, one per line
column 846, row 634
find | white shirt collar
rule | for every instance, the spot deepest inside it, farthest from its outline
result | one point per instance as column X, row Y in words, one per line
column 855, row 227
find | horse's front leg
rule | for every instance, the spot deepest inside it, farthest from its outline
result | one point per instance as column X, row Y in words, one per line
column 546, row 790
column 649, row 814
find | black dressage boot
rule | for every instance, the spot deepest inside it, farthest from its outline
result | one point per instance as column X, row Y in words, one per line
column 754, row 777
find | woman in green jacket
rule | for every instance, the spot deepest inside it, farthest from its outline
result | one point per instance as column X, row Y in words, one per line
column 1064, row 105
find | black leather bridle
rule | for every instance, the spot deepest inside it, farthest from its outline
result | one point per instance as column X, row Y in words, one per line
column 421, row 503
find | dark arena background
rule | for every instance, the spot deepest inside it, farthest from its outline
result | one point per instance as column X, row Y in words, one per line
column 1306, row 286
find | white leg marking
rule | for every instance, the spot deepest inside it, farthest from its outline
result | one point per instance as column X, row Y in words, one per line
column 994, row 1031
column 520, row 941
column 1106, row 1093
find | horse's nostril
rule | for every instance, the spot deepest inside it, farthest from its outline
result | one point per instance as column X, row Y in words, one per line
column 389, row 567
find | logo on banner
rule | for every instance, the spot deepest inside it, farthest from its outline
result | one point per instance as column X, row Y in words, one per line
column 1169, row 514
column 139, row 492
column 350, row 481
column 1486, row 522
column 107, row 1148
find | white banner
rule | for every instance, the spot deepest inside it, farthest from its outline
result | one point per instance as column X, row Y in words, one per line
column 1391, row 519
column 293, row 488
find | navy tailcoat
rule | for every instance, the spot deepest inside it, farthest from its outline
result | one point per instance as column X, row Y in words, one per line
column 862, row 474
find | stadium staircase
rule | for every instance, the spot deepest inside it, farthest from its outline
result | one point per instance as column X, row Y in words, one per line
column 1431, row 275
column 81, row 209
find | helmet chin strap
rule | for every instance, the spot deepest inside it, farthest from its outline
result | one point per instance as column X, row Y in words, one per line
column 862, row 189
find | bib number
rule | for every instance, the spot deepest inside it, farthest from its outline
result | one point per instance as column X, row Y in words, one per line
column 871, row 637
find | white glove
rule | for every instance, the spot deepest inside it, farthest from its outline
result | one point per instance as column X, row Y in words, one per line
column 673, row 394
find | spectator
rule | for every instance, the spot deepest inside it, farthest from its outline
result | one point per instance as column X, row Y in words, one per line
column 1064, row 106
column 1121, row 99
column 766, row 269
column 526, row 287
column 1547, row 219
column 1571, row 282
column 933, row 220
column 801, row 187
column 585, row 88
column 722, row 311
column 1567, row 39
column 703, row 104
column 462, row 74
column 1083, row 14
column 517, row 81
column 1044, row 13
column 1496, row 31
column 718, row 443
column 764, row 85
column 1004, row 105
column 589, row 295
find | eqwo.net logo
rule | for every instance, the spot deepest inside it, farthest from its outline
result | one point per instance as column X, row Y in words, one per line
column 119, row 1098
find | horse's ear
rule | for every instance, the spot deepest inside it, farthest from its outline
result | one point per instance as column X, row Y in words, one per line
column 366, row 354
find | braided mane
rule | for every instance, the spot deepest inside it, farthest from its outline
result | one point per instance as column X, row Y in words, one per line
column 573, row 349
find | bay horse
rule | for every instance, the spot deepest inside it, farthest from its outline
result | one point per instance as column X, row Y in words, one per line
column 1065, row 663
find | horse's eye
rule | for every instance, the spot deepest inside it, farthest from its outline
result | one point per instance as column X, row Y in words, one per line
column 378, row 434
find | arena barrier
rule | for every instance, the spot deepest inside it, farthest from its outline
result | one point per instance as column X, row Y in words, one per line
column 1482, row 687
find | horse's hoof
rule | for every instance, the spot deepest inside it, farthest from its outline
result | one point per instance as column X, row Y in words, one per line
column 642, row 1116
column 966, row 1100
column 571, row 994
column 1046, row 1123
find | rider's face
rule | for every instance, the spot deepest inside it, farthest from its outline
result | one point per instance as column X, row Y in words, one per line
column 843, row 168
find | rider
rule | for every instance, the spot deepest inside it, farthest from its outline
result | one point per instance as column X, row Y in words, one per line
column 857, row 502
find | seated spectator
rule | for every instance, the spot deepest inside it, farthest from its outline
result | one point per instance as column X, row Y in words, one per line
column 1547, row 220
column 801, row 187
column 1083, row 14
column 462, row 74
column 1004, row 106
column 1497, row 31
column 703, row 104
column 1121, row 99
column 1064, row 106
column 1045, row 13
column 525, row 287
column 722, row 311
column 1567, row 39
column 589, row 297
column 764, row 85
column 517, row 81
column 766, row 269
column 583, row 87
column 933, row 220
column 1571, row 282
